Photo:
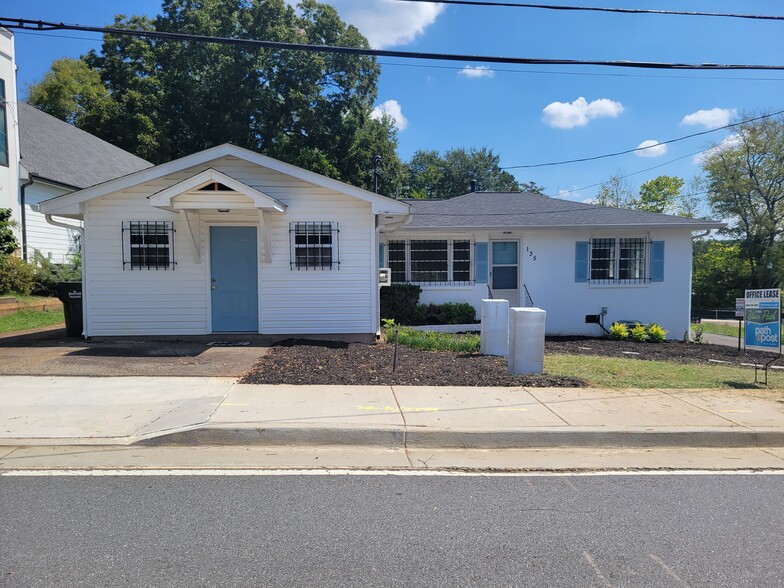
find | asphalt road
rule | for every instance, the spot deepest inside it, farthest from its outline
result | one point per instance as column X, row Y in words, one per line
column 600, row 531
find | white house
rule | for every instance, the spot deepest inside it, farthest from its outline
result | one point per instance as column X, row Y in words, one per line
column 228, row 241
column 572, row 259
column 42, row 157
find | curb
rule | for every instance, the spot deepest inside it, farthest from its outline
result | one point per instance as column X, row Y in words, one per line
column 399, row 438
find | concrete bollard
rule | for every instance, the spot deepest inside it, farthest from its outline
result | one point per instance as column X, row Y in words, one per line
column 526, row 340
column 495, row 327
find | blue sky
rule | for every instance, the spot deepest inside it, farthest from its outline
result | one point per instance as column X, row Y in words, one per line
column 529, row 114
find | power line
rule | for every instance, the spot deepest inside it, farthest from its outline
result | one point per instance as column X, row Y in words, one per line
column 627, row 151
column 598, row 9
column 501, row 70
column 38, row 25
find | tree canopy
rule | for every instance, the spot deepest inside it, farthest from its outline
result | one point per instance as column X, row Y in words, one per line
column 163, row 99
column 745, row 181
column 664, row 194
column 432, row 175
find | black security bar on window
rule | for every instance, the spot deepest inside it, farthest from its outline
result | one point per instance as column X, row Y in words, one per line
column 148, row 245
column 620, row 260
column 314, row 245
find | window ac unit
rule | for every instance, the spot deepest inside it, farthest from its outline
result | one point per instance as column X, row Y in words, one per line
column 384, row 276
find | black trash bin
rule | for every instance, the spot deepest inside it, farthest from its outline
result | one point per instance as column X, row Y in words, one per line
column 70, row 294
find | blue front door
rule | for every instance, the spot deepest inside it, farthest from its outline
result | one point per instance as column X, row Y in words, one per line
column 234, row 280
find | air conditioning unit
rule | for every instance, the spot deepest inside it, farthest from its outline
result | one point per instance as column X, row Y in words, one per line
column 384, row 276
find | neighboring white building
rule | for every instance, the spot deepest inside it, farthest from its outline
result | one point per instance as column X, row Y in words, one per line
column 572, row 259
column 42, row 157
column 227, row 240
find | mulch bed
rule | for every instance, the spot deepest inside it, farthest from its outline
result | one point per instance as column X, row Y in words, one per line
column 319, row 362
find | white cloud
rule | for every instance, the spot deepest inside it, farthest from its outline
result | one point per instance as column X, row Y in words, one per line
column 480, row 71
column 392, row 109
column 567, row 115
column 650, row 148
column 386, row 23
column 726, row 143
column 710, row 119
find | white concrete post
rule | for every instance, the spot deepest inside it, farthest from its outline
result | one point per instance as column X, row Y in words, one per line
column 495, row 327
column 526, row 340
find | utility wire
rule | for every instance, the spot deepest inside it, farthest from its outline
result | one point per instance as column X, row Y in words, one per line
column 597, row 9
column 499, row 69
column 26, row 24
column 627, row 151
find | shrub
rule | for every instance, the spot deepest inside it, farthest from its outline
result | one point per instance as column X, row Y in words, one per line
column 638, row 333
column 619, row 332
column 433, row 341
column 656, row 334
column 47, row 275
column 698, row 330
column 16, row 276
column 444, row 314
column 8, row 242
column 398, row 302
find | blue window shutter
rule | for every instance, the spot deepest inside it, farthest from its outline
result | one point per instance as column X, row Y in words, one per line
column 480, row 263
column 381, row 255
column 581, row 261
column 657, row 261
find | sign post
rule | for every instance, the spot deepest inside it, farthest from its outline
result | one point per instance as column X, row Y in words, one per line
column 740, row 312
column 763, row 323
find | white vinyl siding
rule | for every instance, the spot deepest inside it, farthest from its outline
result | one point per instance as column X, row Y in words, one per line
column 178, row 302
column 54, row 243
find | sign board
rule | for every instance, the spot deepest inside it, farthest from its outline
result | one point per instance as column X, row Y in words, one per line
column 763, row 319
column 740, row 307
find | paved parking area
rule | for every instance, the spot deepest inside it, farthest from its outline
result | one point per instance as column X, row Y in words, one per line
column 48, row 352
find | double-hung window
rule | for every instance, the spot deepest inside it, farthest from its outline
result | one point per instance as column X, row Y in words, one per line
column 430, row 261
column 3, row 126
column 148, row 245
column 314, row 245
column 620, row 260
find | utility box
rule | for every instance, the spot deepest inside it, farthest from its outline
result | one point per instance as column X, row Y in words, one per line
column 70, row 294
column 526, row 340
column 384, row 276
column 494, row 338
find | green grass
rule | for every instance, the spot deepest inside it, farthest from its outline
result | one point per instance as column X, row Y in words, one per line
column 610, row 372
column 30, row 319
column 432, row 341
column 719, row 329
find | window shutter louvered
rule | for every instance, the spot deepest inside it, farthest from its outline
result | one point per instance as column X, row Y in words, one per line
column 581, row 261
column 480, row 265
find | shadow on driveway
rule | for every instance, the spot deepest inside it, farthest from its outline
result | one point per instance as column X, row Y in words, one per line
column 49, row 352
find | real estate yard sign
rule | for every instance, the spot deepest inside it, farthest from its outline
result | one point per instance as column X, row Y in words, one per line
column 763, row 320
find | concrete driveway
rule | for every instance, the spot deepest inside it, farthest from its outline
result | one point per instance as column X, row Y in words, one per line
column 48, row 352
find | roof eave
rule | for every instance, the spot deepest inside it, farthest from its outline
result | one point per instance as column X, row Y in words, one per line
column 603, row 227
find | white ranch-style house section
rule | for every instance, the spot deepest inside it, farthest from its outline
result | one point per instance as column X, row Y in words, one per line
column 227, row 240
column 574, row 260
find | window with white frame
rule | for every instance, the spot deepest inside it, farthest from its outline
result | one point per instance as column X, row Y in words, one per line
column 314, row 245
column 148, row 245
column 619, row 260
column 430, row 261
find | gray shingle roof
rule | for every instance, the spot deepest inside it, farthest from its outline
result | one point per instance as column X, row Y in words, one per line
column 54, row 150
column 528, row 211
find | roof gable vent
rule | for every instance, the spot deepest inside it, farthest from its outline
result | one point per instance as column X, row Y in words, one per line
column 215, row 187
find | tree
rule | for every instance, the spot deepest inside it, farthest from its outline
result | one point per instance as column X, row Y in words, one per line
column 745, row 181
column 167, row 98
column 432, row 175
column 719, row 274
column 8, row 242
column 615, row 192
column 660, row 195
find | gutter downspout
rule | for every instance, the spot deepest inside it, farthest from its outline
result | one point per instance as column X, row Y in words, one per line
column 23, row 214
column 55, row 223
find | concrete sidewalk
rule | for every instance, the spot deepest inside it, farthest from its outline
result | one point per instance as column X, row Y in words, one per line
column 72, row 411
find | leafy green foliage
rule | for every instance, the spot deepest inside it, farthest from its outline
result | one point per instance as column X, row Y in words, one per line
column 719, row 274
column 638, row 333
column 697, row 332
column 744, row 181
column 16, row 276
column 660, row 195
column 431, row 175
column 399, row 301
column 656, row 334
column 444, row 314
column 8, row 242
column 47, row 275
column 163, row 99
column 616, row 192
column 433, row 341
column 664, row 194
column 619, row 332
